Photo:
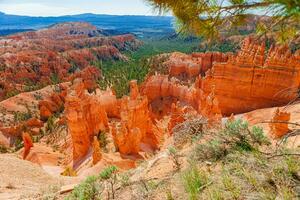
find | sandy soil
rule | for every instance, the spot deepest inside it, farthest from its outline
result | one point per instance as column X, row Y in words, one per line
column 22, row 179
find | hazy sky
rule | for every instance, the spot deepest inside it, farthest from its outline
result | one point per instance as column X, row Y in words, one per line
column 65, row 7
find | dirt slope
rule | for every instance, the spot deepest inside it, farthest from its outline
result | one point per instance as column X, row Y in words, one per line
column 22, row 179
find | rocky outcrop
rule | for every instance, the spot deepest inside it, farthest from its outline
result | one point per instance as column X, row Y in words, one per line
column 160, row 86
column 188, row 66
column 212, row 85
column 53, row 104
column 29, row 125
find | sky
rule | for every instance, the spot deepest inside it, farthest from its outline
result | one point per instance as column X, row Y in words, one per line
column 69, row 7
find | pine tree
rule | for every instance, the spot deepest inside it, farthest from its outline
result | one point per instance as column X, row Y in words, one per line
column 208, row 18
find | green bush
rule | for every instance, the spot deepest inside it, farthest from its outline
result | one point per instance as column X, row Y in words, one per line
column 22, row 116
column 194, row 181
column 91, row 188
column 3, row 149
column 108, row 172
column 174, row 156
column 109, row 175
column 50, row 124
column 235, row 136
column 213, row 150
column 54, row 78
column 11, row 93
column 102, row 137
column 19, row 144
column 258, row 135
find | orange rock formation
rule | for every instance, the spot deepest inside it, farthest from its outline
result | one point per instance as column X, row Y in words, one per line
column 96, row 151
column 27, row 144
column 85, row 118
column 192, row 65
column 280, row 128
column 17, row 130
column 55, row 103
column 135, row 129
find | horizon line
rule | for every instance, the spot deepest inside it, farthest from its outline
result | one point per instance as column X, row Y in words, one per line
column 40, row 16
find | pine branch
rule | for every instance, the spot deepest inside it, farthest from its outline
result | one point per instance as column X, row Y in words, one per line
column 247, row 6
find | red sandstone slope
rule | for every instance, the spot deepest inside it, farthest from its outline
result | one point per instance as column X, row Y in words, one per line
column 33, row 59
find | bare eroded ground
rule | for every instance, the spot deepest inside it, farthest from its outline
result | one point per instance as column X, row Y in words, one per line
column 20, row 179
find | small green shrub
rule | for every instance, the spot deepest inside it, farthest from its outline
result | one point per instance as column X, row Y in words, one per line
column 11, row 93
column 174, row 156
column 91, row 188
column 169, row 195
column 54, row 78
column 124, row 179
column 19, row 144
column 212, row 150
column 194, row 181
column 22, row 116
column 3, row 149
column 108, row 172
column 109, row 175
column 258, row 135
column 102, row 137
column 235, row 136
column 50, row 124
column 38, row 96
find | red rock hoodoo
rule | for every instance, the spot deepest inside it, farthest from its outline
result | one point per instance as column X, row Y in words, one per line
column 27, row 144
column 85, row 118
column 135, row 129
